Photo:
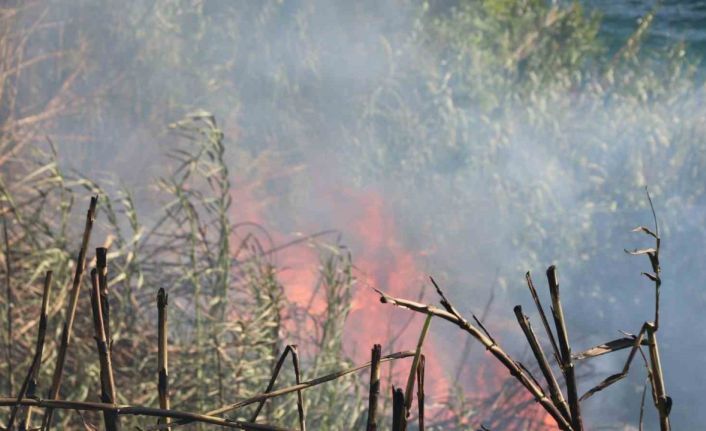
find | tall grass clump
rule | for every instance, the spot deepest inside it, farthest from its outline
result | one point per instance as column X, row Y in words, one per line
column 229, row 317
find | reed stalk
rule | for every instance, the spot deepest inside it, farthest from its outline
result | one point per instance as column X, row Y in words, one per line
column 29, row 385
column 108, row 392
column 162, row 354
column 70, row 314
column 374, row 388
column 567, row 364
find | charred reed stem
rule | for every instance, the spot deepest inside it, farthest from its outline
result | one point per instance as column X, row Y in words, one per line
column 70, row 314
column 162, row 354
column 107, row 379
column 102, row 268
column 663, row 403
column 9, row 304
column 374, row 388
column 415, row 364
column 506, row 360
column 399, row 410
column 554, row 389
column 543, row 316
column 567, row 364
column 420, row 391
column 29, row 384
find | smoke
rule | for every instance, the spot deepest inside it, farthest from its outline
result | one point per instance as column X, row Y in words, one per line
column 320, row 98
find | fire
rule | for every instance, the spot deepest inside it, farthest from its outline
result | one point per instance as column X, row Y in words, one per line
column 382, row 262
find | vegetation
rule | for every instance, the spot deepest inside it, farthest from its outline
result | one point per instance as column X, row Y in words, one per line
column 513, row 116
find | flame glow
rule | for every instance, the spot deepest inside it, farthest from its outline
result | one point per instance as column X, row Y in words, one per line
column 382, row 262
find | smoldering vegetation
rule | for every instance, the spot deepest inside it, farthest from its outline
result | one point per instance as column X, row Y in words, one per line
column 502, row 136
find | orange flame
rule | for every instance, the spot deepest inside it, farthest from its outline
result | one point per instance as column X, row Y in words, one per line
column 382, row 262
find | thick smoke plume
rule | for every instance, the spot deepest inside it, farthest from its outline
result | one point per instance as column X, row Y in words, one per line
column 492, row 138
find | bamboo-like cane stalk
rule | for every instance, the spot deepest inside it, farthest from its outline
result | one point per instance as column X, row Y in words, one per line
column 554, row 389
column 415, row 363
column 29, row 384
column 112, row 422
column 508, row 362
column 567, row 364
column 420, row 391
column 9, row 304
column 102, row 268
column 374, row 390
column 662, row 401
column 162, row 354
column 399, row 415
column 70, row 314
